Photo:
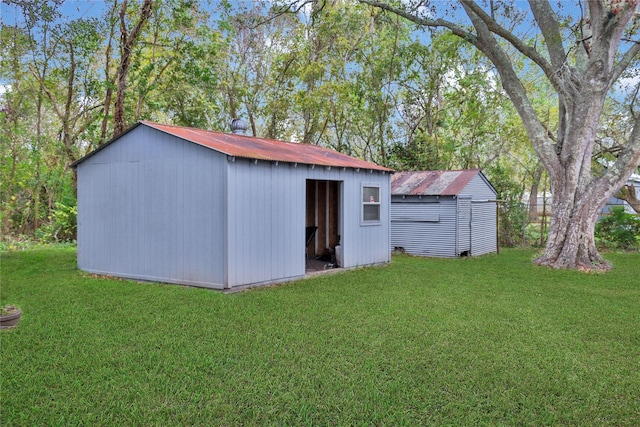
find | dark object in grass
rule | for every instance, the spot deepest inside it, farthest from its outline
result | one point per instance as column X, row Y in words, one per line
column 9, row 316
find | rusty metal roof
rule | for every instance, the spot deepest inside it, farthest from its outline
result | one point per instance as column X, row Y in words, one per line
column 431, row 183
column 265, row 149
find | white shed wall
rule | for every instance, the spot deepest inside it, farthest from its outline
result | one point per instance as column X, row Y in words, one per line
column 266, row 214
column 424, row 227
column 149, row 207
column 483, row 235
column 478, row 189
column 153, row 206
column 483, row 228
column 364, row 244
column 266, row 211
column 464, row 225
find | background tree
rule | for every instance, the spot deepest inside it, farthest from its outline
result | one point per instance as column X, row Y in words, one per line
column 128, row 39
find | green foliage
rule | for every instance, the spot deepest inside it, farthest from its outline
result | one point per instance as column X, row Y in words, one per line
column 16, row 243
column 514, row 214
column 478, row 342
column 618, row 230
column 535, row 234
column 513, row 224
column 61, row 225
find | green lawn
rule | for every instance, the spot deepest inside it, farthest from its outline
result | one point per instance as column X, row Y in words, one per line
column 488, row 341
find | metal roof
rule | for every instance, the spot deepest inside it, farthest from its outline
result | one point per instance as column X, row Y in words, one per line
column 256, row 148
column 431, row 183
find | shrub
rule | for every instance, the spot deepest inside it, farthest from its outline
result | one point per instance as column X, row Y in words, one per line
column 618, row 230
column 513, row 221
column 62, row 225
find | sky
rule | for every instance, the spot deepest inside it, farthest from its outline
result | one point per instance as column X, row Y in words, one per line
column 71, row 9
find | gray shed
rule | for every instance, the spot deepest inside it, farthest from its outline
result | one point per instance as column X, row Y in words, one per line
column 443, row 213
column 216, row 210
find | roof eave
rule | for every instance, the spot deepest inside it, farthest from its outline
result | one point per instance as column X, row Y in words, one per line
column 101, row 147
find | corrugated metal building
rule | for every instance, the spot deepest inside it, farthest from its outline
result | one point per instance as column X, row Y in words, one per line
column 443, row 213
column 188, row 206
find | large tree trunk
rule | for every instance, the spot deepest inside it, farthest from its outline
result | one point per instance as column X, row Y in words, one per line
column 571, row 242
column 577, row 194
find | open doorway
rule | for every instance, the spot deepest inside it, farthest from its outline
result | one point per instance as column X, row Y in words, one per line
column 322, row 224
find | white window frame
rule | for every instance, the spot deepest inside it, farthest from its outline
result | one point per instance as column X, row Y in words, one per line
column 363, row 203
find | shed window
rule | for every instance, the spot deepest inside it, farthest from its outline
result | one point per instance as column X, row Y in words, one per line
column 370, row 204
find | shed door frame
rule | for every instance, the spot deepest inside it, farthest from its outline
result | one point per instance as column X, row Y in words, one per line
column 463, row 225
column 324, row 210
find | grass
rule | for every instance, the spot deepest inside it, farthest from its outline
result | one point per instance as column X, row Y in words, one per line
column 488, row 341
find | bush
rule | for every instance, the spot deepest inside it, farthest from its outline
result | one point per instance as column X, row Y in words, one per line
column 513, row 221
column 536, row 233
column 62, row 225
column 618, row 230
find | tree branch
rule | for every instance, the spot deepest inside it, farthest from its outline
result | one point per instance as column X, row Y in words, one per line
column 528, row 51
column 546, row 19
column 516, row 91
column 628, row 194
column 59, row 112
column 626, row 163
column 455, row 29
column 626, row 60
column 276, row 13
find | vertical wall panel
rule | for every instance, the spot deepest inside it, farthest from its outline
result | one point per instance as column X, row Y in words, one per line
column 265, row 247
column 483, row 228
column 146, row 204
column 311, row 196
column 414, row 227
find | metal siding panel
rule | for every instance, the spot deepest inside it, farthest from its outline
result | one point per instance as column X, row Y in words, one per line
column 365, row 244
column 423, row 212
column 417, row 199
column 267, row 239
column 478, row 189
column 232, row 227
column 351, row 206
column 153, row 210
column 483, row 228
column 292, row 190
column 422, row 238
column 281, row 257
